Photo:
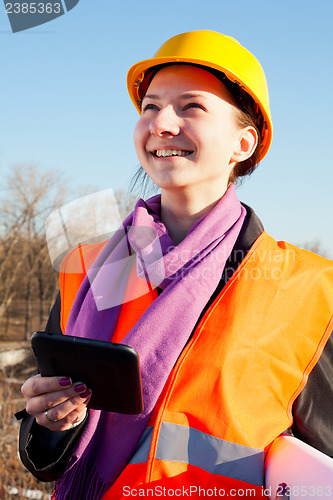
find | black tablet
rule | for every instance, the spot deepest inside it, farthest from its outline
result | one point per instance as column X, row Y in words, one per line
column 111, row 371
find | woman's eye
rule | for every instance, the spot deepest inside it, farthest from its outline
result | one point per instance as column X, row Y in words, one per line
column 149, row 106
column 194, row 105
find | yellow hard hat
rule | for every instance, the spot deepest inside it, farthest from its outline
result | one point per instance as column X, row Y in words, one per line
column 218, row 52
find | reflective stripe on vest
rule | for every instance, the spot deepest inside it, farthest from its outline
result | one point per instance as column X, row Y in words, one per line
column 178, row 443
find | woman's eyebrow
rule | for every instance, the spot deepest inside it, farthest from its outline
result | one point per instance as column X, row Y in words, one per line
column 150, row 96
column 186, row 95
column 190, row 95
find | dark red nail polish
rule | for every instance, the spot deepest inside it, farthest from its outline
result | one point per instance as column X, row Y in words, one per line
column 86, row 394
column 65, row 382
column 80, row 388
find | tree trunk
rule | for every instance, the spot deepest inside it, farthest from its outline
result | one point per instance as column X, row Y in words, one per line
column 27, row 319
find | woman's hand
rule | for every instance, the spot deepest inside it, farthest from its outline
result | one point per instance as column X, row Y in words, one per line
column 55, row 402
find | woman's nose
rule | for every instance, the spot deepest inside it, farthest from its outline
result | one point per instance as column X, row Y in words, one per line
column 165, row 122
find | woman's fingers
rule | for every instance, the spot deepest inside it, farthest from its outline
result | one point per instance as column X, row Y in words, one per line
column 55, row 402
column 37, row 385
column 64, row 416
column 44, row 401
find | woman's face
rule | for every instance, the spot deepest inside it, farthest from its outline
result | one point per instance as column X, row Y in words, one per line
column 187, row 136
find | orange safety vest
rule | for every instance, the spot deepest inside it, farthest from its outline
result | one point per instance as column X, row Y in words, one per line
column 231, row 391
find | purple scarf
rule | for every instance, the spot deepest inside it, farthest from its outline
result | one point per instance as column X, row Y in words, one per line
column 189, row 274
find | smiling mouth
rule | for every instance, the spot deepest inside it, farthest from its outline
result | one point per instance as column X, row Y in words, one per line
column 163, row 153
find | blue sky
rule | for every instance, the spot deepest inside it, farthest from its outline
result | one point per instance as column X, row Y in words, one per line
column 64, row 103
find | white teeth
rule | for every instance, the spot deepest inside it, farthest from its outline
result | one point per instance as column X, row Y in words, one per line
column 171, row 152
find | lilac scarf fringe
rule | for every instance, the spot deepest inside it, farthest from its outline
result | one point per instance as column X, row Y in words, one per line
column 189, row 274
column 74, row 488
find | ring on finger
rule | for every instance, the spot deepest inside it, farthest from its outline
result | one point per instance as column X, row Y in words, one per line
column 48, row 417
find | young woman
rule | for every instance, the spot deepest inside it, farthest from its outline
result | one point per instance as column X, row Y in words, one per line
column 232, row 328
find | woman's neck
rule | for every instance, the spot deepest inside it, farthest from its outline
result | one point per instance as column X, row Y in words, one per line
column 180, row 213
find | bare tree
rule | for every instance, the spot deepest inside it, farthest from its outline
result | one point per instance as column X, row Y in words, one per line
column 28, row 197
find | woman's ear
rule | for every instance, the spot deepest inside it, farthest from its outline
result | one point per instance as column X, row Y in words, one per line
column 246, row 144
